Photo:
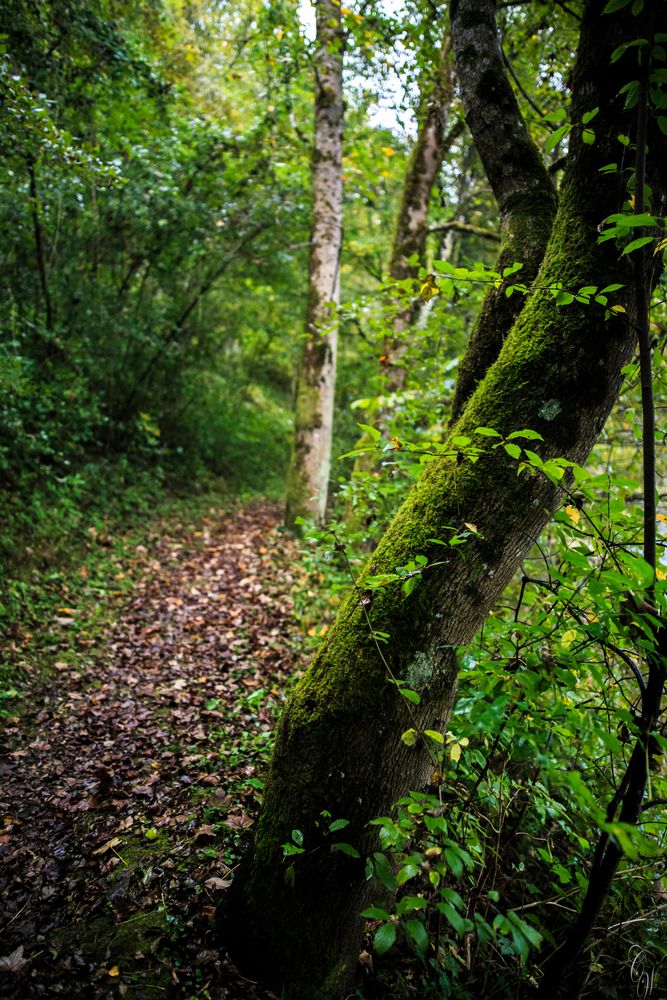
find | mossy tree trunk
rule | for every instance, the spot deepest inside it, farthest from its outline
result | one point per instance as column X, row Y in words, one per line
column 338, row 744
column 518, row 177
column 308, row 475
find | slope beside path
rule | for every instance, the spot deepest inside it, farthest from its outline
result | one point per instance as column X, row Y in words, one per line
column 128, row 785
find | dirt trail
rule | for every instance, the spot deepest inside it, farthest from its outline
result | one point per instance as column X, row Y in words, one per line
column 128, row 785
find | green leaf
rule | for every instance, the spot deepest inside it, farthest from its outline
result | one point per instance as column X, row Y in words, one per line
column 615, row 5
column 375, row 913
column 297, row 837
column 562, row 873
column 527, row 433
column 513, row 450
column 408, row 904
column 525, row 928
column 372, row 432
column 589, row 116
column 632, row 221
column 452, row 917
column 434, row 735
column 636, row 244
column 588, row 136
column 407, row 872
column 410, row 695
column 291, row 849
column 348, row 849
column 384, row 938
column 384, row 872
column 454, row 862
column 418, row 935
column 487, row 432
column 619, row 51
column 555, row 116
column 410, row 737
column 556, row 137
column 338, row 824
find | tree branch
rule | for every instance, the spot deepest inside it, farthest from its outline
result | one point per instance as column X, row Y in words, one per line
column 521, row 184
column 466, row 227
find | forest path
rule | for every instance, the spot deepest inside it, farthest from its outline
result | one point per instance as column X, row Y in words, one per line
column 129, row 781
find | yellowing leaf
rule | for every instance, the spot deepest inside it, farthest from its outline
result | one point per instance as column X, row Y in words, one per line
column 428, row 289
column 151, row 833
column 617, row 309
column 345, row 10
column 110, row 844
column 662, row 517
column 68, row 611
column 661, row 575
column 568, row 637
column 573, row 513
column 455, row 752
column 410, row 737
column 114, row 971
column 471, row 527
column 387, row 150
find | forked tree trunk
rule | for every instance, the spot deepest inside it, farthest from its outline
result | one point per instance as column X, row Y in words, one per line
column 518, row 177
column 338, row 744
column 313, row 418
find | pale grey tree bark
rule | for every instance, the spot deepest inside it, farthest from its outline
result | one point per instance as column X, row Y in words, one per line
column 316, row 381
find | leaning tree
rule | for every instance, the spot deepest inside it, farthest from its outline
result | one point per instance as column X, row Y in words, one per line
column 551, row 364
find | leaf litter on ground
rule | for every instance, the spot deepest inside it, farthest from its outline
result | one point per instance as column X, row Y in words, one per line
column 131, row 780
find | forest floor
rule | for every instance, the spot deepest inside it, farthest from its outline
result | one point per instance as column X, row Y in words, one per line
column 130, row 777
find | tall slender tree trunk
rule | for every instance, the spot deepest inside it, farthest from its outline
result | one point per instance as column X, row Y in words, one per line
column 313, row 420
column 338, row 745
column 433, row 143
column 40, row 250
column 434, row 140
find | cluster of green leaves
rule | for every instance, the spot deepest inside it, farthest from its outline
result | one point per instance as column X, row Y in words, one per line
column 147, row 289
column 545, row 722
column 542, row 731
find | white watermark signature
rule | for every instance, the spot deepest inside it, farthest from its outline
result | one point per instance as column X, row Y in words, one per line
column 643, row 970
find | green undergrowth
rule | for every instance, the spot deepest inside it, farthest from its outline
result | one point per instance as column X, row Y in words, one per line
column 63, row 580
